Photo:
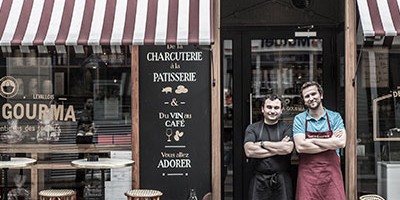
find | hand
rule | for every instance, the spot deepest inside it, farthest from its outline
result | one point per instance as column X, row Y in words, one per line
column 286, row 139
column 338, row 133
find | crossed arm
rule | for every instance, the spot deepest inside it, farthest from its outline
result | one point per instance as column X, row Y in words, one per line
column 312, row 146
column 255, row 150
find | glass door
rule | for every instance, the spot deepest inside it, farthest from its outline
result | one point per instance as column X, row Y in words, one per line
column 281, row 66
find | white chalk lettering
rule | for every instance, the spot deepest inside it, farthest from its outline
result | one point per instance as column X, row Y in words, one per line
column 174, row 77
column 174, row 56
column 174, row 163
column 174, row 123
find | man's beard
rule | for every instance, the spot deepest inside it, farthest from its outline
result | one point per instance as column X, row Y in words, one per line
column 269, row 119
column 316, row 105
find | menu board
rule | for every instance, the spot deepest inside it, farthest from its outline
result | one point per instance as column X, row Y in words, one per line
column 175, row 120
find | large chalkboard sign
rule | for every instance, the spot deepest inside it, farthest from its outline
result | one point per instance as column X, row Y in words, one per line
column 174, row 120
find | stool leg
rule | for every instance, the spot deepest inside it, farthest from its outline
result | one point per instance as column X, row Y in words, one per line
column 91, row 176
column 5, row 183
column 102, row 184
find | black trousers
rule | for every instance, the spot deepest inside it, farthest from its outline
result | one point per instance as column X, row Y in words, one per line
column 276, row 186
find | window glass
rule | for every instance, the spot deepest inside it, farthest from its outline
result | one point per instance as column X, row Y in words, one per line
column 227, row 137
column 378, row 121
column 60, row 104
column 281, row 66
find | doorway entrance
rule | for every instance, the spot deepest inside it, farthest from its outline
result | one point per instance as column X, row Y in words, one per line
column 257, row 63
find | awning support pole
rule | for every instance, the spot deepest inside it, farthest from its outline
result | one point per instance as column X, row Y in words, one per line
column 351, row 99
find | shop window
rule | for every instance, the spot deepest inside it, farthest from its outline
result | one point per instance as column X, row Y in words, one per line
column 378, row 121
column 61, row 103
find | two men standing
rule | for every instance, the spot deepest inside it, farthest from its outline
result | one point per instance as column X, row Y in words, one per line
column 318, row 135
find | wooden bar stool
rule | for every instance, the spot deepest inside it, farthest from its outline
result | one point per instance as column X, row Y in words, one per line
column 137, row 194
column 59, row 194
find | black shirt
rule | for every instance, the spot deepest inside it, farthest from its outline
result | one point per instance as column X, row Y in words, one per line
column 273, row 133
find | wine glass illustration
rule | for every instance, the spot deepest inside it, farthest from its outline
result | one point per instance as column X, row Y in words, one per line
column 168, row 132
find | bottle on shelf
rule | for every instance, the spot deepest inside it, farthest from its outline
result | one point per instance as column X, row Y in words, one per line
column 192, row 195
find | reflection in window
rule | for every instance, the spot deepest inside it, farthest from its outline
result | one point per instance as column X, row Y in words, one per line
column 227, row 137
column 281, row 66
column 378, row 120
column 60, row 96
column 44, row 92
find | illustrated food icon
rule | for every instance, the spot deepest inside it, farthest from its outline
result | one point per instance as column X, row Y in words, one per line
column 181, row 89
column 167, row 90
column 178, row 135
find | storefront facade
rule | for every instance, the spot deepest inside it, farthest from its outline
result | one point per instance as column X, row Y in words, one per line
column 70, row 85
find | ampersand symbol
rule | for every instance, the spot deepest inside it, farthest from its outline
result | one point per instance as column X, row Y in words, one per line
column 174, row 102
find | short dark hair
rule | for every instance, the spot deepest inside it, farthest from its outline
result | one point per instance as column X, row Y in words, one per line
column 309, row 84
column 271, row 97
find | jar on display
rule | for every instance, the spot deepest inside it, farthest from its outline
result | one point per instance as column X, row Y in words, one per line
column 21, row 88
column 192, row 195
column 47, row 87
column 33, row 86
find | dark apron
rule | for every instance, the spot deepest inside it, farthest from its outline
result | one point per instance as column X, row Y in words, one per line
column 276, row 186
column 270, row 185
column 319, row 175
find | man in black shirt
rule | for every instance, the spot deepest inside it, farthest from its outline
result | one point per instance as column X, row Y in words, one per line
column 268, row 143
column 85, row 131
column 85, row 119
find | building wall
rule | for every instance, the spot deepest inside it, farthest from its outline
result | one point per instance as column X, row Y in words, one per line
column 280, row 13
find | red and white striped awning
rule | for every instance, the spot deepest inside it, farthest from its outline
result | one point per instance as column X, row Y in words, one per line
column 105, row 22
column 379, row 17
